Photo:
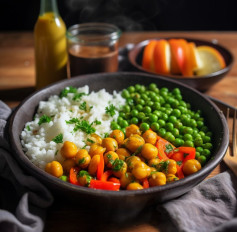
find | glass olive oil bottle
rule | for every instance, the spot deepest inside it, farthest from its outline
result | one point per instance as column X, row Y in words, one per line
column 50, row 45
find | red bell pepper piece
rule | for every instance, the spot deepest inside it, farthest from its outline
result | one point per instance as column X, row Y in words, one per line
column 104, row 185
column 114, row 179
column 106, row 175
column 145, row 183
column 189, row 153
column 100, row 169
column 180, row 171
column 73, row 176
column 162, row 145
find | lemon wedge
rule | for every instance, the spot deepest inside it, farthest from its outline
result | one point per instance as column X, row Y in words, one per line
column 211, row 60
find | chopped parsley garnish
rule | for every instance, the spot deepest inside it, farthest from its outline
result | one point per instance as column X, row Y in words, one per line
column 82, row 125
column 83, row 106
column 67, row 90
column 83, row 173
column 96, row 122
column 56, row 152
column 58, row 138
column 163, row 166
column 82, row 161
column 179, row 163
column 90, row 141
column 117, row 165
column 168, row 148
column 106, row 135
column 110, row 110
column 44, row 119
column 28, row 127
column 78, row 96
column 185, row 154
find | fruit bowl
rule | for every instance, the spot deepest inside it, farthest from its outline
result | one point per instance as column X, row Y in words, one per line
column 202, row 82
column 125, row 203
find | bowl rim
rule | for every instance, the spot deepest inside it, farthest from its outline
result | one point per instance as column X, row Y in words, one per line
column 24, row 162
column 136, row 49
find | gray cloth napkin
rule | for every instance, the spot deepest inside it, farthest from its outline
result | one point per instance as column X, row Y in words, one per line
column 210, row 207
column 23, row 199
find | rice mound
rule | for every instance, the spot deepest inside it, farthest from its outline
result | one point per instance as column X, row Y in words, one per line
column 37, row 139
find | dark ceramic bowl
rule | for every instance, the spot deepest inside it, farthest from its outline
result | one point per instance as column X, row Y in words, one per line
column 122, row 203
column 202, row 83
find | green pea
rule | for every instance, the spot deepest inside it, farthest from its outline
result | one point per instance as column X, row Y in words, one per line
column 172, row 119
column 197, row 155
column 156, row 106
column 202, row 159
column 169, row 137
column 124, row 124
column 188, row 137
column 139, row 107
column 131, row 89
column 122, row 114
column 176, row 91
column 161, row 122
column 178, row 142
column 134, row 120
column 153, row 118
column 206, row 139
column 141, row 115
column 141, row 102
column 147, row 109
column 115, row 126
column 126, row 108
column 155, row 126
column 188, row 130
column 169, row 126
column 199, row 149
column 152, row 86
column 137, row 87
column 198, row 141
column 63, row 178
column 134, row 113
column 188, row 143
column 162, row 132
column 206, row 153
column 144, row 126
column 125, row 94
column 178, row 124
column 176, row 113
column 164, row 116
column 175, row 132
column 207, row 146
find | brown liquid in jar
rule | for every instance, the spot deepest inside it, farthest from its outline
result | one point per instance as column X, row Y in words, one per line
column 92, row 59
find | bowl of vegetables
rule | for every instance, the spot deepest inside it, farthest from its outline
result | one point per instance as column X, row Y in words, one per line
column 197, row 63
column 141, row 141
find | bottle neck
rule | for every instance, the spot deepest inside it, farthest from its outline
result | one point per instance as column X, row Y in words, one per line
column 48, row 6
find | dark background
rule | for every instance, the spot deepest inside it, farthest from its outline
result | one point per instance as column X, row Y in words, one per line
column 129, row 15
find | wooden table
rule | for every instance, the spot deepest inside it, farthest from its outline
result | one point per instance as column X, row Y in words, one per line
column 17, row 79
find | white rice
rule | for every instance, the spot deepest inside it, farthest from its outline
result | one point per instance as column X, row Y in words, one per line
column 37, row 139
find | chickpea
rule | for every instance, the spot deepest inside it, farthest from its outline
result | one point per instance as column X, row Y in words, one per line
column 84, row 178
column 126, row 179
column 157, row 179
column 94, row 138
column 109, row 158
column 134, row 186
column 131, row 161
column 141, row 170
column 82, row 158
column 118, row 135
column 96, row 149
column 191, row 166
column 54, row 168
column 149, row 151
column 68, row 164
column 132, row 130
column 168, row 166
column 171, row 178
column 119, row 168
column 134, row 142
column 68, row 150
column 93, row 165
column 123, row 153
column 150, row 137
column 110, row 144
column 154, row 162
